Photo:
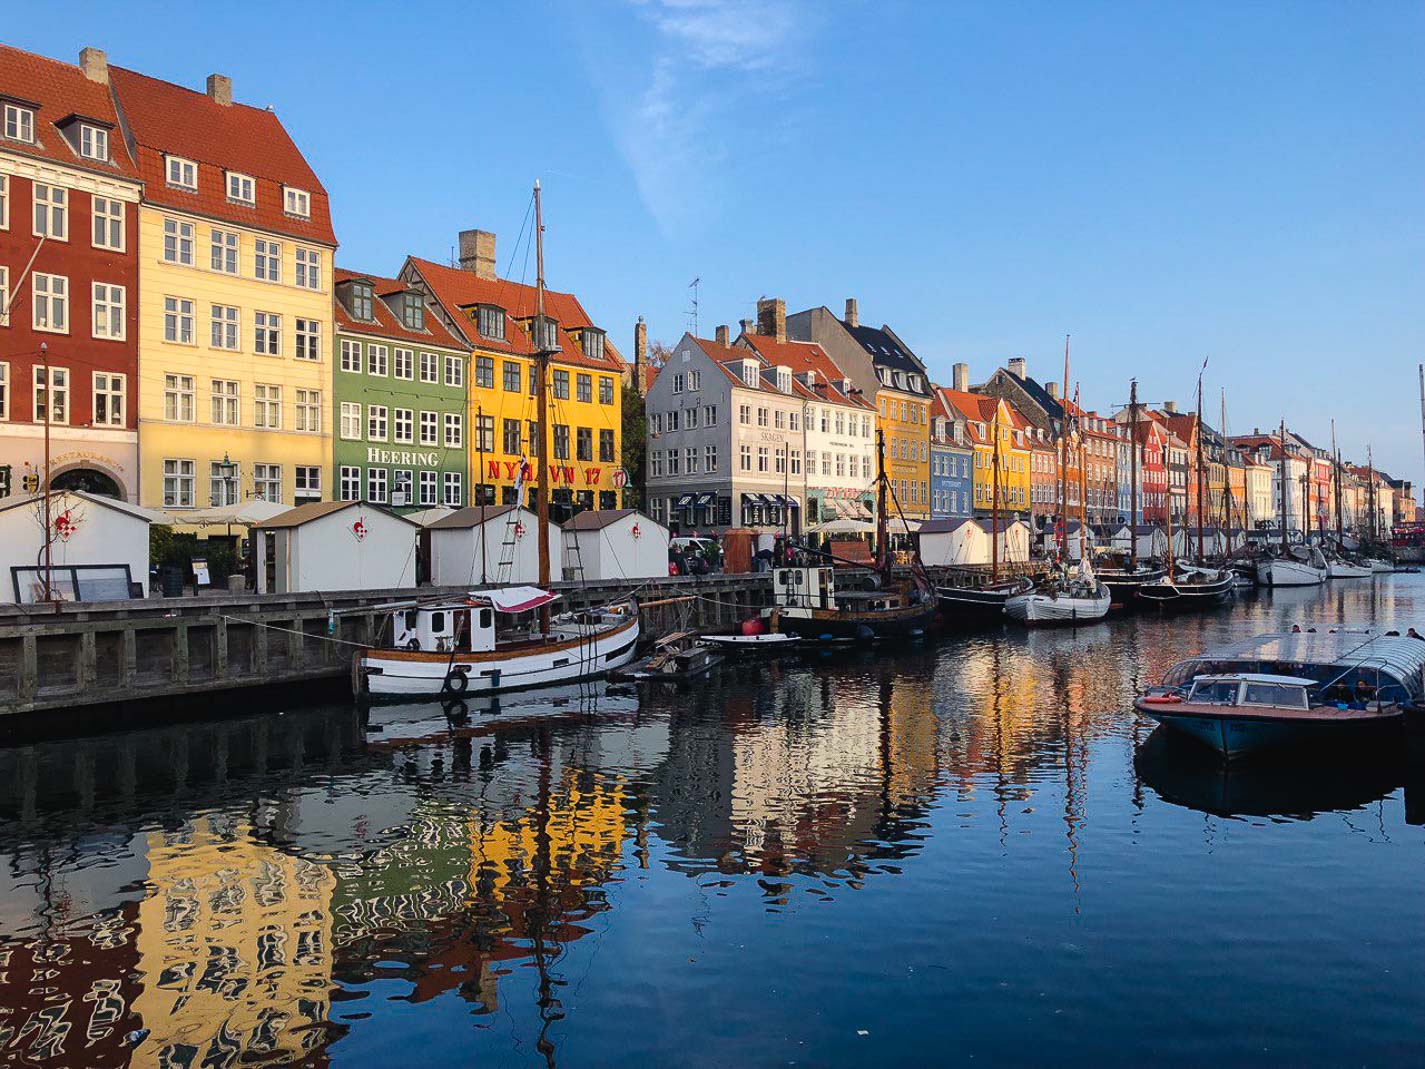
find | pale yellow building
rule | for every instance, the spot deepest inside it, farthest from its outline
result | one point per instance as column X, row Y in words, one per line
column 235, row 302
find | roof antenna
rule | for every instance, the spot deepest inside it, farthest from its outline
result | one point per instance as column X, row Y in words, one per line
column 693, row 312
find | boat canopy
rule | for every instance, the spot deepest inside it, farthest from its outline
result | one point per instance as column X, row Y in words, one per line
column 1332, row 656
column 513, row 599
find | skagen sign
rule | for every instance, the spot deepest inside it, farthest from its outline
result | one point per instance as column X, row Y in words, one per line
column 402, row 456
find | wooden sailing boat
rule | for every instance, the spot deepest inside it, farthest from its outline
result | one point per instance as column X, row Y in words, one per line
column 1339, row 566
column 1292, row 566
column 1123, row 582
column 503, row 638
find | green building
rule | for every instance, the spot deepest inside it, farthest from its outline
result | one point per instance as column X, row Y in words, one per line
column 399, row 395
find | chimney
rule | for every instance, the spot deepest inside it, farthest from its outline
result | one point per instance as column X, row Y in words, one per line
column 852, row 320
column 1053, row 388
column 960, row 377
column 94, row 64
column 1017, row 367
column 721, row 335
column 640, row 352
column 477, row 252
column 220, row 89
column 772, row 317
column 1170, row 407
column 746, row 325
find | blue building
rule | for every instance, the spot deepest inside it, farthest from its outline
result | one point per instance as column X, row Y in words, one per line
column 951, row 463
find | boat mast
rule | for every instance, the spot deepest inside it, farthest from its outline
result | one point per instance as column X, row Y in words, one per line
column 1370, row 490
column 480, row 489
column 1226, row 477
column 882, row 530
column 1336, row 480
column 541, row 368
column 1083, row 497
column 1286, row 546
column 994, row 506
column 1133, row 476
column 1064, row 457
column 1200, row 472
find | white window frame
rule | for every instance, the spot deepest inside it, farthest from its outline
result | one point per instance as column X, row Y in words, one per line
column 403, row 426
column 306, row 483
column 307, row 411
column 179, row 389
column 184, row 475
column 267, row 406
column 221, row 490
column 267, row 482
column 351, row 355
column 349, row 486
column 114, row 388
column 108, row 301
column 107, row 227
column 19, row 123
column 297, row 202
column 56, row 395
column 428, row 487
column 451, row 489
column 241, row 188
column 430, row 367
column 378, row 359
column 455, row 371
column 180, row 173
column 93, row 142
column 226, row 397
column 308, row 269
column 377, row 423
column 50, row 293
column 267, row 260
column 4, row 202
column 267, row 333
column 430, row 428
column 307, row 333
column 351, row 421
column 377, row 485
column 224, row 251
column 225, row 327
column 4, row 391
column 403, row 364
column 53, row 208
column 454, row 430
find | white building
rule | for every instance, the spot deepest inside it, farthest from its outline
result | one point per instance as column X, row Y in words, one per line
column 335, row 545
column 98, row 552
column 502, row 546
column 614, row 544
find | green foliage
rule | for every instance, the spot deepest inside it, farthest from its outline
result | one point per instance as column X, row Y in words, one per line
column 166, row 547
column 635, row 446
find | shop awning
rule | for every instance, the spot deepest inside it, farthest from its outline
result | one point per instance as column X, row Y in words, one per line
column 707, row 499
column 754, row 499
column 684, row 502
column 512, row 599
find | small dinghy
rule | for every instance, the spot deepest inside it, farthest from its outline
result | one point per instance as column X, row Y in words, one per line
column 676, row 657
column 770, row 642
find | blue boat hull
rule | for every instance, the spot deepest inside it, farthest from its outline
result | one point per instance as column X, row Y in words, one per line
column 1239, row 736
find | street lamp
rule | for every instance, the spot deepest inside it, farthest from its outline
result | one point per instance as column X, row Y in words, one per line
column 227, row 470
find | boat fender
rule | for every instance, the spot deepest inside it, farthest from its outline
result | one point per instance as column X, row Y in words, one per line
column 865, row 634
column 456, row 681
column 1161, row 699
column 414, row 644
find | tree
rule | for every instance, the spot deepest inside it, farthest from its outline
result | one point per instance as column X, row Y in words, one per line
column 635, row 446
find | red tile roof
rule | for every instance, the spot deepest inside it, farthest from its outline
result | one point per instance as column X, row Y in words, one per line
column 60, row 90
column 387, row 324
column 167, row 118
column 801, row 357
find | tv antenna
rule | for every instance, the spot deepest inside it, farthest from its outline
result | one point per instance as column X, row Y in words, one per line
column 693, row 312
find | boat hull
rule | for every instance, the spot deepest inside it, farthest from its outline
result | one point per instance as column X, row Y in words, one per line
column 1235, row 735
column 1277, row 572
column 971, row 605
column 831, row 625
column 1340, row 569
column 1124, row 587
column 1045, row 609
column 382, row 673
column 1170, row 595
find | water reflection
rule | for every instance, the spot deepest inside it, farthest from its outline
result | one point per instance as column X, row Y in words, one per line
column 327, row 885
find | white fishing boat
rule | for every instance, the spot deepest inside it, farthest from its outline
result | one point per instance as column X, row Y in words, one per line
column 1378, row 566
column 1077, row 597
column 766, row 642
column 1303, row 566
column 1340, row 568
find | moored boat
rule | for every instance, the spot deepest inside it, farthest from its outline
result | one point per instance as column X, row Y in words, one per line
column 808, row 605
column 1340, row 568
column 1065, row 598
column 766, row 642
column 1304, row 566
column 980, row 604
column 1124, row 583
column 1190, row 587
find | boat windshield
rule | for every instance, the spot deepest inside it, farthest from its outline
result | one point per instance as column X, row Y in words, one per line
column 1281, row 695
column 1214, row 692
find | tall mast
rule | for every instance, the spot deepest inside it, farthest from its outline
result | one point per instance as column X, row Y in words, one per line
column 1200, row 473
column 480, row 489
column 1286, row 547
column 1226, row 476
column 1370, row 488
column 994, row 506
column 1336, row 482
column 1422, row 401
column 49, row 525
column 541, row 368
column 1064, row 456
column 882, row 531
column 1083, row 497
column 1133, row 477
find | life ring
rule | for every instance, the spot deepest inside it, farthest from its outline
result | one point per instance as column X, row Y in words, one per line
column 413, row 645
column 1161, row 699
column 456, row 681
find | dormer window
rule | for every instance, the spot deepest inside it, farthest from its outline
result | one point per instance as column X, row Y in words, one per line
column 546, row 334
column 751, row 373
column 593, row 344
column 242, row 189
column 93, row 143
column 784, row 379
column 20, row 123
column 490, row 321
column 297, row 202
column 361, row 300
column 413, row 312
column 915, row 383
column 180, row 173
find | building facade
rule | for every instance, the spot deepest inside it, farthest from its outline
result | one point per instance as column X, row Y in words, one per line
column 399, row 399
column 235, row 303
column 69, row 331
column 952, row 461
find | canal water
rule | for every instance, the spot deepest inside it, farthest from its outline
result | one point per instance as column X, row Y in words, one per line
column 967, row 851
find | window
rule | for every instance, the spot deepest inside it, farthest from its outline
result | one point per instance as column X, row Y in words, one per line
column 403, row 425
column 309, row 339
column 181, row 173
column 267, row 260
column 455, row 430
column 427, row 483
column 429, row 364
column 606, row 446
column 308, row 411
column 536, row 445
column 583, row 443
column 484, row 433
column 761, row 458
column 690, row 418
column 514, row 437
column 561, row 385
column 690, row 461
column 779, row 419
column 350, row 488
column 350, row 355
column 223, row 251
column 546, row 334
column 4, row 390
column 309, row 269
column 224, row 327
column 377, row 360
column 108, row 218
column 108, row 399
column 561, row 441
column 226, row 403
column 241, row 188
column 655, row 463
column 306, row 483
column 484, row 371
column 451, row 486
column 606, row 390
column 792, row 421
column 745, row 458
column 710, row 458
column 178, row 242
column 678, row 383
column 695, row 381
column 361, row 300
column 4, row 202
column 430, row 428
column 584, row 387
column 744, row 414
column 491, row 322
column 179, row 481
column 376, row 485
column 51, row 211
column 594, row 344
column 93, row 142
column 796, row 461
column 19, row 123
column 673, row 461
column 376, row 417
column 267, row 333
column 222, row 490
column 710, row 415
column 51, row 303
column 297, row 202
column 108, row 311
column 351, row 420
column 413, row 312
column 267, row 406
column 267, row 481
column 178, row 398
column 671, row 419
column 404, row 364
column 511, row 376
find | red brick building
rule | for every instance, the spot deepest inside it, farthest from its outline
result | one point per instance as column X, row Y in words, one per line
column 69, row 193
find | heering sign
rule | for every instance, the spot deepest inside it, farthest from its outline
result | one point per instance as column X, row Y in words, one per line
column 401, row 456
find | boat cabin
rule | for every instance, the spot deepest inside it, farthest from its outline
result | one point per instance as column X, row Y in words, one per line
column 444, row 628
column 815, row 588
column 1247, row 689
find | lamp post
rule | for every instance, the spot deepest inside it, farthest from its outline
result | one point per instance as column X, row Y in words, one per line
column 227, row 470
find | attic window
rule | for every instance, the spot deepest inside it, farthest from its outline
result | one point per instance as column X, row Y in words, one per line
column 361, row 299
column 180, row 173
column 297, row 202
column 491, row 322
column 915, row 383
column 19, row 123
column 413, row 312
column 242, row 188
column 593, row 344
column 93, row 143
column 546, row 334
column 751, row 374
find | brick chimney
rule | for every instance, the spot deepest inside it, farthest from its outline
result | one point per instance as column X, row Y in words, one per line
column 1053, row 389
column 852, row 319
column 721, row 335
column 1170, row 407
column 220, row 89
column 960, row 377
column 640, row 350
column 772, row 318
column 477, row 252
column 94, row 64
column 1018, row 368
column 746, row 325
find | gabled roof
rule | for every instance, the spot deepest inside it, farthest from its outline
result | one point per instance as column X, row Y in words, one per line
column 946, row 526
column 386, row 323
column 1041, row 396
column 60, row 91
column 724, row 356
column 316, row 510
column 168, row 119
column 597, row 519
column 801, row 357
column 56, row 497
column 473, row 516
column 886, row 350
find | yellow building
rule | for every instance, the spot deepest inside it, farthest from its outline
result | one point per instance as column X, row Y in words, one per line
column 235, row 302
column 903, row 418
column 987, row 417
column 583, row 446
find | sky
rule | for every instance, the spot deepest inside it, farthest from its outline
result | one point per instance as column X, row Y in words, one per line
column 1166, row 182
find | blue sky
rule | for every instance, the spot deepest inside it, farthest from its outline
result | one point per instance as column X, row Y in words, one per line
column 1161, row 181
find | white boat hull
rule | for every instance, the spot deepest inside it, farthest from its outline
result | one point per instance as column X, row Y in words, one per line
column 586, row 651
column 1278, row 572
column 1340, row 569
column 1380, row 565
column 1046, row 609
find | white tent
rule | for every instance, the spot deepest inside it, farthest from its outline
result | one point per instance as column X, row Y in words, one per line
column 1014, row 542
column 335, row 545
column 1152, row 541
column 98, row 548
column 502, row 546
column 614, row 544
column 843, row 527
column 247, row 513
column 426, row 517
column 944, row 543
column 1115, row 536
column 1185, row 541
